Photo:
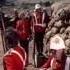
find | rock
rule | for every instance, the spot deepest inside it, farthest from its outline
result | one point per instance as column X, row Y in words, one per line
column 46, row 30
column 67, row 42
column 48, row 34
column 54, row 30
column 58, row 24
column 62, row 30
column 67, row 29
column 64, row 36
column 57, row 6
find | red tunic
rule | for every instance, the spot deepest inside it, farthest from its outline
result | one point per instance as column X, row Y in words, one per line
column 48, row 64
column 23, row 29
column 13, row 61
column 59, row 61
column 39, row 19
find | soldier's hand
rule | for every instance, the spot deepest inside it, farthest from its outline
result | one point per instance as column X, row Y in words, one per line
column 30, row 38
column 42, row 69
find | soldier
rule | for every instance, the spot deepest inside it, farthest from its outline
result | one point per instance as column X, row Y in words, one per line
column 7, row 21
column 15, row 57
column 15, row 18
column 57, row 58
column 40, row 22
column 23, row 27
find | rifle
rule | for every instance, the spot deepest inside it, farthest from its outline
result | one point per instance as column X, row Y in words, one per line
column 34, row 48
column 3, row 33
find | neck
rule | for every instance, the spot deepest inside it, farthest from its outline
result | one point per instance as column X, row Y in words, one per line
column 12, row 46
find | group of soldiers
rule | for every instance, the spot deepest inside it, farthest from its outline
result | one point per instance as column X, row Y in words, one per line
column 24, row 27
column 19, row 31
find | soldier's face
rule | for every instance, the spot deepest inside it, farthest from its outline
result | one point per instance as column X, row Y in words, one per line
column 38, row 10
column 22, row 17
column 8, row 44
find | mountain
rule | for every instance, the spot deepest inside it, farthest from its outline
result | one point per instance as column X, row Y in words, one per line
column 34, row 1
column 31, row 1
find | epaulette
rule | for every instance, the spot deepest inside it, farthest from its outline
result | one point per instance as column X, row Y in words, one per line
column 8, row 52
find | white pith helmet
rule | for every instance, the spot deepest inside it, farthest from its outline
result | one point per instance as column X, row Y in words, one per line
column 37, row 6
column 57, row 43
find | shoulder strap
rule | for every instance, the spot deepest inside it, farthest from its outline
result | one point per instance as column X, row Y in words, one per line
column 35, row 17
column 24, row 52
column 19, row 55
column 43, row 16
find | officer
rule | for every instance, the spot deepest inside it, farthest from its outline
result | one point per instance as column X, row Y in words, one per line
column 40, row 21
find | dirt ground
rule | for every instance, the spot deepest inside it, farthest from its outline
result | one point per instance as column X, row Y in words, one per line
column 1, row 53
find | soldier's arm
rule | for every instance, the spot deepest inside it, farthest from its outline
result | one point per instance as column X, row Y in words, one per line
column 47, row 19
column 12, row 62
column 18, row 26
column 47, row 64
column 8, row 63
